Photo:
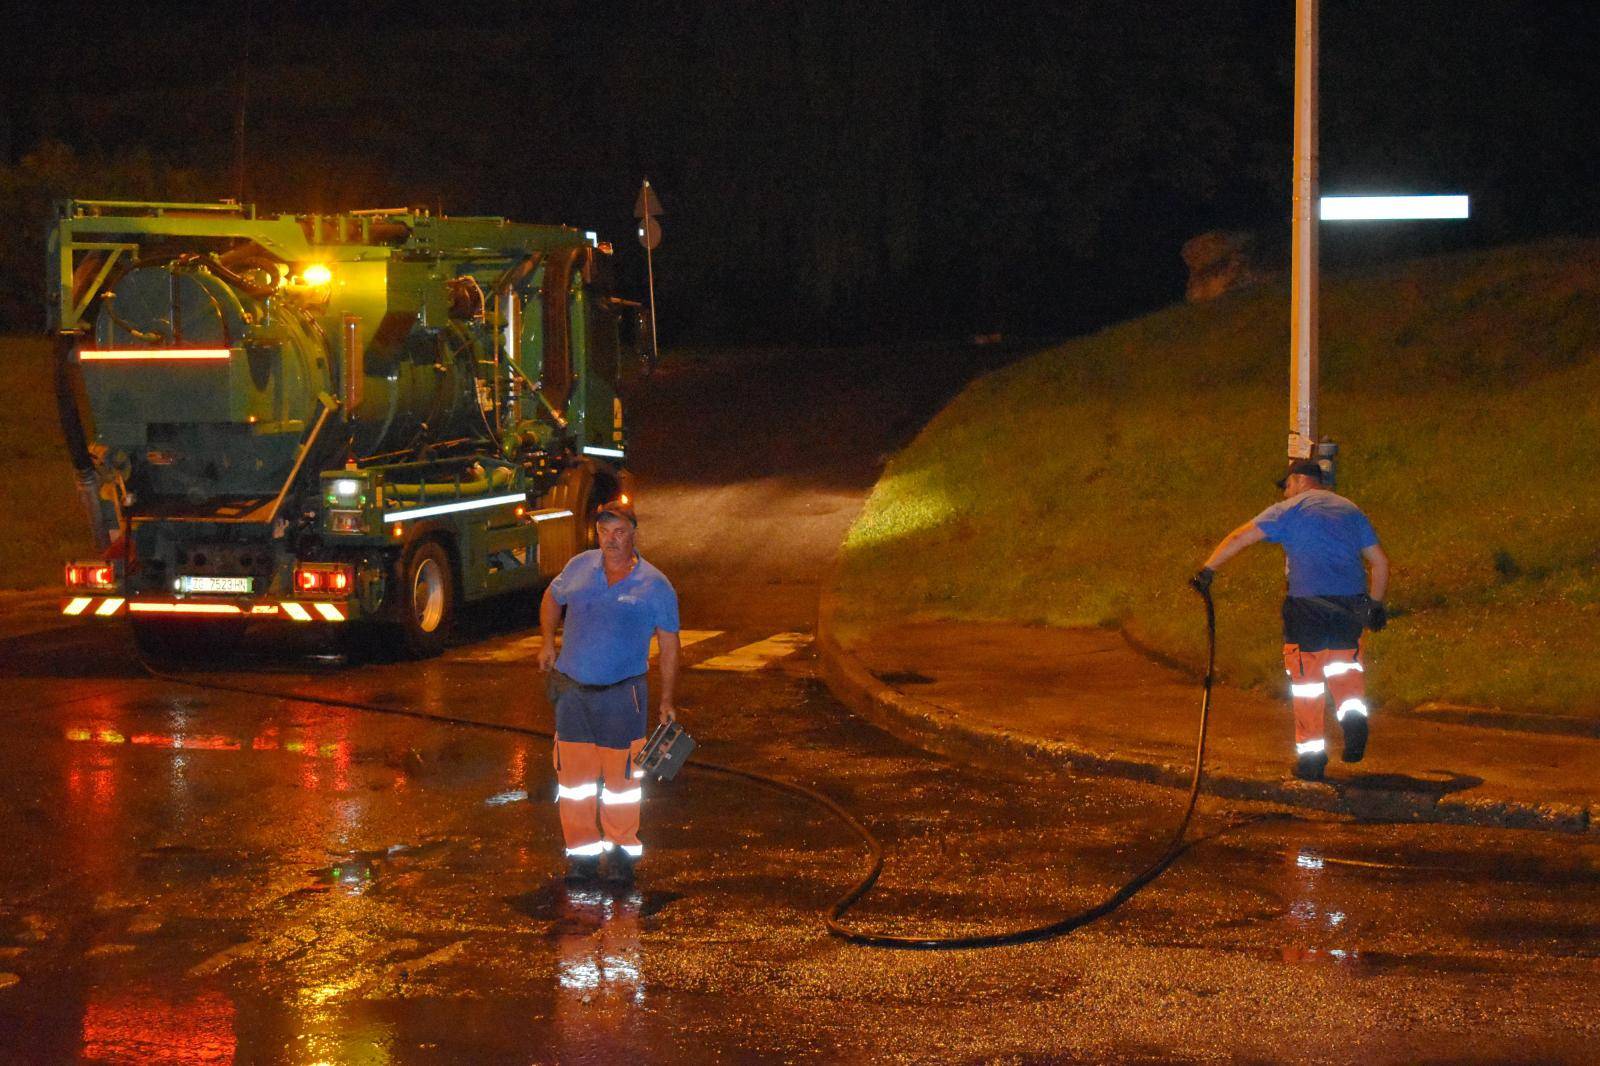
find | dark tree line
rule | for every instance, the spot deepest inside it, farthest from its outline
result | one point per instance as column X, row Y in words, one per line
column 830, row 170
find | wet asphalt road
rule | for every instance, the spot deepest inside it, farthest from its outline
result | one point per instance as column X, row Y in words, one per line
column 204, row 877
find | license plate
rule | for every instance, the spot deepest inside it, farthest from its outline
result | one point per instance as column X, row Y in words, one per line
column 233, row 585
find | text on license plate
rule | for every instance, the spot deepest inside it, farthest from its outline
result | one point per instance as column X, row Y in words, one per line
column 218, row 584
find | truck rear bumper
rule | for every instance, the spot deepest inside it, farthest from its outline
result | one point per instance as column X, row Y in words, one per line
column 102, row 606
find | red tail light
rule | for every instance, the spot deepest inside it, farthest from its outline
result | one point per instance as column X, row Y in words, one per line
column 91, row 576
column 323, row 579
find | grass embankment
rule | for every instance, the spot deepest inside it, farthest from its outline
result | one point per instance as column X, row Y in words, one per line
column 41, row 523
column 1085, row 484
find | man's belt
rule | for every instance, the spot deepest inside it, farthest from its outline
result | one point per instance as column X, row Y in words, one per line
column 560, row 682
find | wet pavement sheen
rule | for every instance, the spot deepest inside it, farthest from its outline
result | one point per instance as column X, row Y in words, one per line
column 196, row 876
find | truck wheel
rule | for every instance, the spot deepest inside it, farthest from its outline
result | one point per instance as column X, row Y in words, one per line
column 603, row 487
column 426, row 599
column 188, row 640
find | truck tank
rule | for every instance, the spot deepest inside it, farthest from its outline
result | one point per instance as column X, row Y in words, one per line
column 219, row 373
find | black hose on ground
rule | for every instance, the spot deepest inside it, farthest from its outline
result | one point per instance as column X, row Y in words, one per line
column 837, row 911
column 1061, row 926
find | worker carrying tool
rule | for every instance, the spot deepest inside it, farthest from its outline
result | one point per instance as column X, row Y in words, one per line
column 1338, row 575
column 615, row 603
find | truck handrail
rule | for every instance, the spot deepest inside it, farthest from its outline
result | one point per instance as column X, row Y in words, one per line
column 300, row 459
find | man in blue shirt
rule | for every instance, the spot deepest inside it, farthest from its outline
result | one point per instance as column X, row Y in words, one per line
column 1338, row 575
column 615, row 603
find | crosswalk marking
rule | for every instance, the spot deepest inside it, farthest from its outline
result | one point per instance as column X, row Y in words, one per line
column 753, row 657
column 526, row 649
column 686, row 637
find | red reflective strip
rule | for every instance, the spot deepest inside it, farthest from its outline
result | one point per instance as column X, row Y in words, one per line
column 183, row 608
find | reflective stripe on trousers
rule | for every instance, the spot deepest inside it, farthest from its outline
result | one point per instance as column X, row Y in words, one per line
column 594, row 814
column 1314, row 678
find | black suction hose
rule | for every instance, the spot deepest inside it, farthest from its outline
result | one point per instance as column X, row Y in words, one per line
column 837, row 911
column 72, row 429
column 1061, row 926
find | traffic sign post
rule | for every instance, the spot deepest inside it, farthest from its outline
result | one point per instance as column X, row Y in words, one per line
column 645, row 209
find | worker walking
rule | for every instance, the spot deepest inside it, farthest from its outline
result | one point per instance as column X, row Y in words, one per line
column 615, row 603
column 1338, row 575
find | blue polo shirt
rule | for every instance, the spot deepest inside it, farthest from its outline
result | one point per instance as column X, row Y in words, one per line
column 1323, row 535
column 608, row 629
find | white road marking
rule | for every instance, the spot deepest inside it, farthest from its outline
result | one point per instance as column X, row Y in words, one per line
column 526, row 649
column 447, row 954
column 686, row 637
column 223, row 958
column 755, row 656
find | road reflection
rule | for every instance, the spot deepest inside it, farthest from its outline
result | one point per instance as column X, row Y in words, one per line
column 599, row 967
column 140, row 1025
column 1314, row 919
column 597, row 942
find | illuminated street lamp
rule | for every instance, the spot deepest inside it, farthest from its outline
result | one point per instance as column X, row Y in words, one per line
column 1391, row 208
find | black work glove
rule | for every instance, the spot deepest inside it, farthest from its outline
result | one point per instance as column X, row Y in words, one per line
column 1377, row 615
column 1201, row 582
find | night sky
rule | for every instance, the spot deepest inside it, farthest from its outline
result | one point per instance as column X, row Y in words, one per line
column 830, row 171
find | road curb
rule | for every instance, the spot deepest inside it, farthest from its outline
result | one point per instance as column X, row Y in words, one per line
column 934, row 728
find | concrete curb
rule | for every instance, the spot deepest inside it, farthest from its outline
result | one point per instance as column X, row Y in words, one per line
column 937, row 729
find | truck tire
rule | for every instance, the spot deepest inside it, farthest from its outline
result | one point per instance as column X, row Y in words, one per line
column 188, row 640
column 425, row 599
column 601, row 486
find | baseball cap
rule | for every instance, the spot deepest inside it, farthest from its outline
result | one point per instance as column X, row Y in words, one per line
column 1309, row 467
column 621, row 507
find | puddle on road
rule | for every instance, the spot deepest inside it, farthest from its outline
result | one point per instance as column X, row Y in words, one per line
column 357, row 872
column 182, row 861
column 902, row 677
column 575, row 908
column 1364, row 961
column 352, row 876
column 1556, row 937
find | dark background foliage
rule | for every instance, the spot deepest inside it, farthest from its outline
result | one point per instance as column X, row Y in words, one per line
column 831, row 171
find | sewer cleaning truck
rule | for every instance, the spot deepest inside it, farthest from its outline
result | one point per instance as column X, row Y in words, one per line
column 361, row 420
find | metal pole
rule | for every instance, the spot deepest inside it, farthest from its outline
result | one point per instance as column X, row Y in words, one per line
column 650, row 272
column 244, row 100
column 1303, row 309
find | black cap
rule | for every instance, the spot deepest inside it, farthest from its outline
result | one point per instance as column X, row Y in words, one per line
column 1309, row 467
column 621, row 507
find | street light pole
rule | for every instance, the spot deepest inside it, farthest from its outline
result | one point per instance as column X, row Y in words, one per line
column 1303, row 301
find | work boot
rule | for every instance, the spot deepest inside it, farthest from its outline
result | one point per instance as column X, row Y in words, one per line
column 582, row 869
column 1309, row 766
column 1354, row 727
column 619, row 867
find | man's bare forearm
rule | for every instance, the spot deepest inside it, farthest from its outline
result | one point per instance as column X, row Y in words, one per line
column 1377, row 572
column 1233, row 544
column 549, row 618
column 669, row 666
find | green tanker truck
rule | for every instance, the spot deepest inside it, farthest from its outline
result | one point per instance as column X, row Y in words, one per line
column 359, row 420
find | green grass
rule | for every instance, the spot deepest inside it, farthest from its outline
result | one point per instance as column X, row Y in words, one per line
column 41, row 523
column 1085, row 484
